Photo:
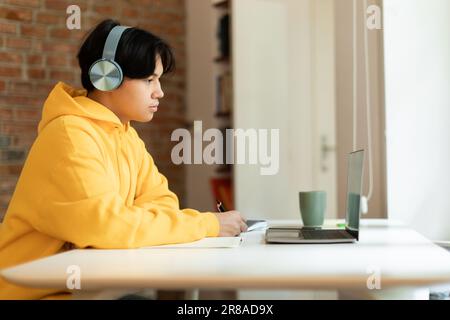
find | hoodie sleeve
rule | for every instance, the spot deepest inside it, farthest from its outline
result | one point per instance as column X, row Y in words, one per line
column 81, row 203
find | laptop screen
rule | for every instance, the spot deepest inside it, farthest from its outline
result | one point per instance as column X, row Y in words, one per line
column 354, row 190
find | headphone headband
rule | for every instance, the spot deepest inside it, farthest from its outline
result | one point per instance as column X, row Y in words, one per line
column 105, row 74
column 109, row 50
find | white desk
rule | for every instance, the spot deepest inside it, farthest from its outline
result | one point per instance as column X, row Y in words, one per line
column 404, row 259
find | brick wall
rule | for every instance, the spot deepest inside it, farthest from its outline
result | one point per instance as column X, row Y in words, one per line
column 37, row 51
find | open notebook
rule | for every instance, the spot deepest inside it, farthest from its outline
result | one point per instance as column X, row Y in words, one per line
column 213, row 242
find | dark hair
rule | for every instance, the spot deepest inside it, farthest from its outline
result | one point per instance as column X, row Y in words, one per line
column 136, row 52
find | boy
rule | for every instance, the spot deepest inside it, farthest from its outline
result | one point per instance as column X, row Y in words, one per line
column 88, row 180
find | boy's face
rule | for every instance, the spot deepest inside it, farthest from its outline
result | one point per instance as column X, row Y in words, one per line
column 138, row 99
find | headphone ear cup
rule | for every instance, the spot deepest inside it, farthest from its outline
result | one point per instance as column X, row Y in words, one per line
column 105, row 75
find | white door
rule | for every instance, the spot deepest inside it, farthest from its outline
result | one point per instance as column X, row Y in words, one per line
column 283, row 73
column 324, row 100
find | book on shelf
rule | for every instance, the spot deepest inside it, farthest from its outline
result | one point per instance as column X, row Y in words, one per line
column 223, row 94
column 221, row 3
column 222, row 190
column 223, row 35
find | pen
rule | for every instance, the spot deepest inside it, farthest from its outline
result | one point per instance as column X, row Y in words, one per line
column 220, row 206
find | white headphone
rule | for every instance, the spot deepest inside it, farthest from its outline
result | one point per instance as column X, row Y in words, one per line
column 105, row 73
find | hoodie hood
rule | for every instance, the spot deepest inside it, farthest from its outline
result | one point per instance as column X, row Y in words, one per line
column 64, row 100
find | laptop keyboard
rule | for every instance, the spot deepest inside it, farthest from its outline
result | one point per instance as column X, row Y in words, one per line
column 324, row 234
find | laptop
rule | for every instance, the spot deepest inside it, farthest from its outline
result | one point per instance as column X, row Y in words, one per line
column 351, row 231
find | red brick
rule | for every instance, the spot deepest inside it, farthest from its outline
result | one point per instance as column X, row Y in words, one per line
column 20, row 87
column 34, row 59
column 21, row 140
column 2, row 85
column 61, row 33
column 10, row 71
column 33, row 30
column 7, row 27
column 36, row 73
column 27, row 113
column 37, row 46
column 162, row 4
column 156, row 29
column 171, row 30
column 56, row 60
column 57, row 46
column 63, row 4
column 105, row 10
column 16, row 127
column 25, row 3
column 50, row 18
column 167, row 17
column 4, row 199
column 7, row 183
column 74, row 62
column 19, row 100
column 10, row 169
column 10, row 57
column 6, row 113
column 44, row 88
column 13, row 155
column 21, row 14
column 144, row 2
column 18, row 43
column 62, row 75
column 64, row 33
column 92, row 21
column 130, row 13
column 148, row 26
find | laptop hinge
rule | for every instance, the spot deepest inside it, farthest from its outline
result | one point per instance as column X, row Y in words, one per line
column 353, row 233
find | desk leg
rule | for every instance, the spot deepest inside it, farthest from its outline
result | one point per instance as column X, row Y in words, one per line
column 386, row 294
column 192, row 294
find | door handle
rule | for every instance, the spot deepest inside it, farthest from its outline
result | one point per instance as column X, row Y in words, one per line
column 325, row 149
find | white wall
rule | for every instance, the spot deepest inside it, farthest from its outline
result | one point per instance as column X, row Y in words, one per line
column 417, row 66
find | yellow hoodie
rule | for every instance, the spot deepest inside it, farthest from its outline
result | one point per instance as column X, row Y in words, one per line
column 88, row 181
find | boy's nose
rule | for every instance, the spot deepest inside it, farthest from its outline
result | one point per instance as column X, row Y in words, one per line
column 158, row 94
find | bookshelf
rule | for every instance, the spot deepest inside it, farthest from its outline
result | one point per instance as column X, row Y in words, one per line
column 222, row 179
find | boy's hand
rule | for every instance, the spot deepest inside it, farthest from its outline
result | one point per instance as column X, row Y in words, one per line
column 232, row 223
